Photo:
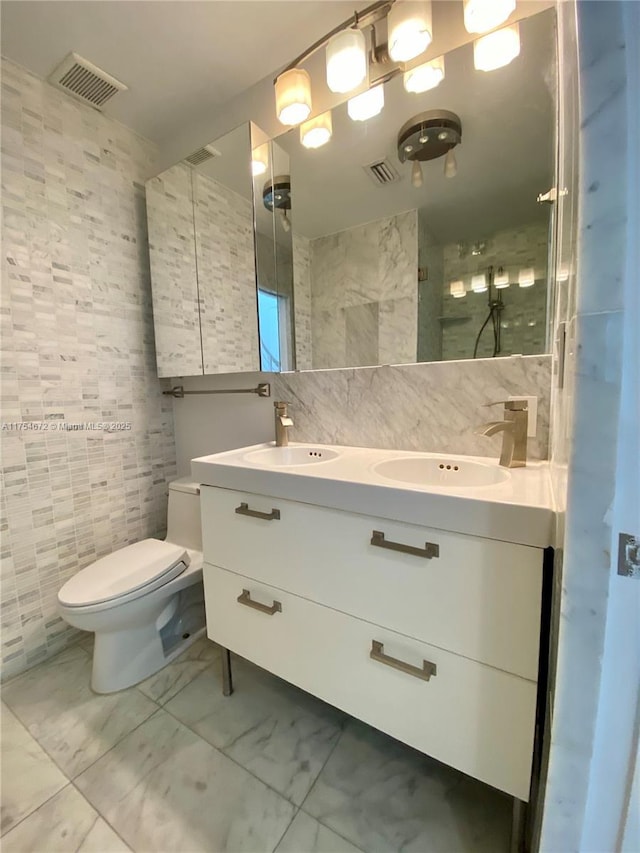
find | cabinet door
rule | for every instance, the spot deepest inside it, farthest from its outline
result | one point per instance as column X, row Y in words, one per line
column 478, row 597
column 172, row 258
column 473, row 717
column 222, row 194
column 202, row 257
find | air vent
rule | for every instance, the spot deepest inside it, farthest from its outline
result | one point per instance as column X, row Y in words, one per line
column 85, row 81
column 382, row 172
column 202, row 155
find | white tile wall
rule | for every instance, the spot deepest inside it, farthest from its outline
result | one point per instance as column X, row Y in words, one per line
column 363, row 282
column 77, row 337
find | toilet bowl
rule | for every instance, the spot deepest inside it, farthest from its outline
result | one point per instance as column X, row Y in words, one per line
column 145, row 602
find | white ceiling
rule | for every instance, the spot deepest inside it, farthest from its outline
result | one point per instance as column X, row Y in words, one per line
column 178, row 57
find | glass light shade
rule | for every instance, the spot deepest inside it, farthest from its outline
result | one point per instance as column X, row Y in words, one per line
column 317, row 131
column 409, row 28
column 526, row 277
column 259, row 160
column 501, row 279
column 480, row 16
column 346, row 61
column 450, row 164
column 367, row 105
column 457, row 289
column 424, row 77
column 416, row 174
column 293, row 96
column 497, row 49
column 479, row 283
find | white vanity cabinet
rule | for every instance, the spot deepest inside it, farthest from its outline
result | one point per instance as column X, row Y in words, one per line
column 429, row 635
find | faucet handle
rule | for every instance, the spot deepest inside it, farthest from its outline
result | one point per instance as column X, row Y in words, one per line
column 510, row 405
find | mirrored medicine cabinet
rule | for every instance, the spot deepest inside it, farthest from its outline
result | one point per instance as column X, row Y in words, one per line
column 350, row 258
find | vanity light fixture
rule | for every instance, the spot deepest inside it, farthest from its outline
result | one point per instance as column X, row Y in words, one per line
column 480, row 16
column 259, row 160
column 346, row 60
column 409, row 28
column 317, row 131
column 526, row 277
column 479, row 283
column 367, row 105
column 293, row 96
column 496, row 49
column 424, row 77
column 501, row 279
column 457, row 289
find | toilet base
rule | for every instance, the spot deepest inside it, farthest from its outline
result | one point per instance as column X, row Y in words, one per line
column 126, row 657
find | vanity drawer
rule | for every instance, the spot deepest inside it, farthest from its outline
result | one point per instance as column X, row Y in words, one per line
column 475, row 718
column 479, row 597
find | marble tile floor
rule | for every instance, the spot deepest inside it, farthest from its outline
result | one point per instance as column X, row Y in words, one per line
column 172, row 766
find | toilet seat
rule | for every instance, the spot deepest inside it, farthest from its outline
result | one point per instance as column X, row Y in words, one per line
column 126, row 574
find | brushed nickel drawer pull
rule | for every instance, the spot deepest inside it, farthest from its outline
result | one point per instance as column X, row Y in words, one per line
column 245, row 599
column 429, row 551
column 377, row 653
column 243, row 509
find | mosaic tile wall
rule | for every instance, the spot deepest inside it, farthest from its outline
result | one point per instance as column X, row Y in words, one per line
column 524, row 318
column 172, row 249
column 364, row 295
column 226, row 278
column 78, row 348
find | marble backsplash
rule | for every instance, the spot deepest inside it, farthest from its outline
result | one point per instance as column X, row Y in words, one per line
column 433, row 407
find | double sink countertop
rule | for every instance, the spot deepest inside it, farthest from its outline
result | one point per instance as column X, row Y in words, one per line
column 464, row 494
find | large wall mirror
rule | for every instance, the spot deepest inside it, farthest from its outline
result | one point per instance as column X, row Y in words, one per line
column 380, row 262
column 203, row 272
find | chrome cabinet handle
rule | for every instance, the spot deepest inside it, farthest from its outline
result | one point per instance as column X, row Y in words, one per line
column 245, row 599
column 429, row 551
column 377, row 653
column 243, row 509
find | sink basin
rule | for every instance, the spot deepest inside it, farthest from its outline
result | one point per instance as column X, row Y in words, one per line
column 441, row 472
column 284, row 457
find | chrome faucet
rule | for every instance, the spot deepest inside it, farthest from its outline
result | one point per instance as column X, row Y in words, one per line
column 514, row 433
column 283, row 424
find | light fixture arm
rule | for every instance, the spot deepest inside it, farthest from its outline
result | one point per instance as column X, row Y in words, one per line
column 359, row 20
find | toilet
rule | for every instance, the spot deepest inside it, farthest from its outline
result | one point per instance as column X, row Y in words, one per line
column 145, row 602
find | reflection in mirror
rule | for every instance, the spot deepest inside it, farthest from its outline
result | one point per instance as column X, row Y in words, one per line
column 202, row 261
column 274, row 255
column 224, row 249
column 443, row 256
column 172, row 257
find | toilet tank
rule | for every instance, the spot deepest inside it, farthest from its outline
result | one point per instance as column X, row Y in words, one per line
column 183, row 514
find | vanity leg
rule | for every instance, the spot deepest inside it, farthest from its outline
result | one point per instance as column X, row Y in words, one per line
column 518, row 826
column 227, row 678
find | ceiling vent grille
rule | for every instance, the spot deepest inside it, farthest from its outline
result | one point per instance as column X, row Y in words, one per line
column 202, row 155
column 382, row 172
column 85, row 81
